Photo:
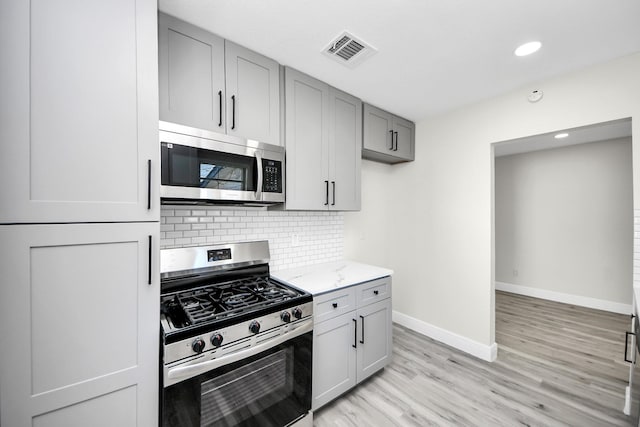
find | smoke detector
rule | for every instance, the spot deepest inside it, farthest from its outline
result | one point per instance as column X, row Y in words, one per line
column 535, row 96
column 348, row 49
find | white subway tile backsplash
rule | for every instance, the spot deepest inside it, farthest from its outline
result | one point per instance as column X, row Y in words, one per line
column 319, row 235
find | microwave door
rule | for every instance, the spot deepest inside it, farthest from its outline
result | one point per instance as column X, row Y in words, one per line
column 197, row 173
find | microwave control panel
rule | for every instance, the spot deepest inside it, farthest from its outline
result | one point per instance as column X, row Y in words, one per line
column 272, row 176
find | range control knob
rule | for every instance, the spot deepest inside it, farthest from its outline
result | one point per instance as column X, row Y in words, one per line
column 198, row 345
column 285, row 316
column 216, row 340
column 254, row 327
column 297, row 313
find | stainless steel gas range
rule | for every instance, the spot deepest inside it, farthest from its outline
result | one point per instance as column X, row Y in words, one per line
column 236, row 344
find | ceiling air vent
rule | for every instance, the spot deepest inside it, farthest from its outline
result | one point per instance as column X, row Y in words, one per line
column 348, row 50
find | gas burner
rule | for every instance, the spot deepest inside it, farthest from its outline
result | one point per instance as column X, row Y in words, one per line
column 276, row 293
column 244, row 298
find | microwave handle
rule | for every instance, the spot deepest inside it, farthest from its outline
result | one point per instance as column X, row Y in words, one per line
column 260, row 177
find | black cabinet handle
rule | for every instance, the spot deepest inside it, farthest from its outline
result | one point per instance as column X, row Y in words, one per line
column 334, row 305
column 150, row 254
column 220, row 103
column 326, row 203
column 333, row 183
column 391, row 132
column 355, row 333
column 233, row 111
column 375, row 292
column 149, row 184
column 396, row 134
column 362, row 319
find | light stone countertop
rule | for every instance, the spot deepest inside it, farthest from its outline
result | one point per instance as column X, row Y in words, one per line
column 320, row 278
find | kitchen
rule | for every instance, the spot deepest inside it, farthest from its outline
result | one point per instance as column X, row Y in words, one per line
column 445, row 232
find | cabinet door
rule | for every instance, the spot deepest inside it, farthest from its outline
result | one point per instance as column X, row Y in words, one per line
column 345, row 150
column 79, row 325
column 334, row 358
column 374, row 338
column 405, row 138
column 307, row 141
column 253, row 95
column 378, row 128
column 191, row 70
column 79, row 105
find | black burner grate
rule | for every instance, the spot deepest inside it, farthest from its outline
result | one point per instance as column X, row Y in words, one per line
column 224, row 300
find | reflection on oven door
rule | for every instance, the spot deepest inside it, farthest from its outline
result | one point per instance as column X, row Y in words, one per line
column 268, row 381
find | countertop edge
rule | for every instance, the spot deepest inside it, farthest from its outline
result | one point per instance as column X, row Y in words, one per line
column 318, row 279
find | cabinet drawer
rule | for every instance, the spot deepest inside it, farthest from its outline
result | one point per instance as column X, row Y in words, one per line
column 370, row 292
column 332, row 304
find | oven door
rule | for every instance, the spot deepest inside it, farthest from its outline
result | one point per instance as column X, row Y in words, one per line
column 271, row 388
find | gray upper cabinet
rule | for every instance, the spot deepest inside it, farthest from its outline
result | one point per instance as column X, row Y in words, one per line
column 387, row 138
column 345, row 150
column 210, row 83
column 323, row 141
column 191, row 77
column 306, row 141
column 253, row 94
column 79, row 112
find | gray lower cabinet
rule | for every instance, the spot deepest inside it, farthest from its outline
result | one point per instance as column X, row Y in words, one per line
column 79, row 105
column 387, row 138
column 79, row 325
column 334, row 358
column 374, row 349
column 352, row 337
column 323, row 134
column 210, row 83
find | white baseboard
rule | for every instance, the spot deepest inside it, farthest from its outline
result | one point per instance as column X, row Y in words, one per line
column 479, row 350
column 599, row 304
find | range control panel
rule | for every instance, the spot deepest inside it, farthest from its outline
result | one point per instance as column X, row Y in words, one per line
column 272, row 176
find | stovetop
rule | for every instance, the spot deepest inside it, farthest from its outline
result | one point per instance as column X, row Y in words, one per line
column 208, row 288
column 224, row 300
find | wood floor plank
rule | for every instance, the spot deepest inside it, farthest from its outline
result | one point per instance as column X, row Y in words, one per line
column 557, row 365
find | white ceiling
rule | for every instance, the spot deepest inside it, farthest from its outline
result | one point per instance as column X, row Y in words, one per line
column 582, row 135
column 433, row 56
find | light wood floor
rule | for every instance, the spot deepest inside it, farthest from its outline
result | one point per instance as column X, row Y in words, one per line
column 558, row 365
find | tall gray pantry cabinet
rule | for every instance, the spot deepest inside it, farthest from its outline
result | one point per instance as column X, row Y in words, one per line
column 79, row 214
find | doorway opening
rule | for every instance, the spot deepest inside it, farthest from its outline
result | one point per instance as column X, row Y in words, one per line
column 563, row 257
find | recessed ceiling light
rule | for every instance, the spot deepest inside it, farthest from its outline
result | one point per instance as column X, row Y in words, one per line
column 528, row 48
column 561, row 135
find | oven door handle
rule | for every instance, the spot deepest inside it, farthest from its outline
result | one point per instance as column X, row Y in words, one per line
column 182, row 372
column 260, row 177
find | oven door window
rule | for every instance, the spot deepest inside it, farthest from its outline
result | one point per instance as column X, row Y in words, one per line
column 272, row 388
column 196, row 167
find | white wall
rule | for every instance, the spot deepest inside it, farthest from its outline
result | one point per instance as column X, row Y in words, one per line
column 441, row 205
column 564, row 222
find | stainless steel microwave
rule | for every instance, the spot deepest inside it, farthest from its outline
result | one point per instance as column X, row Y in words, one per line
column 199, row 166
